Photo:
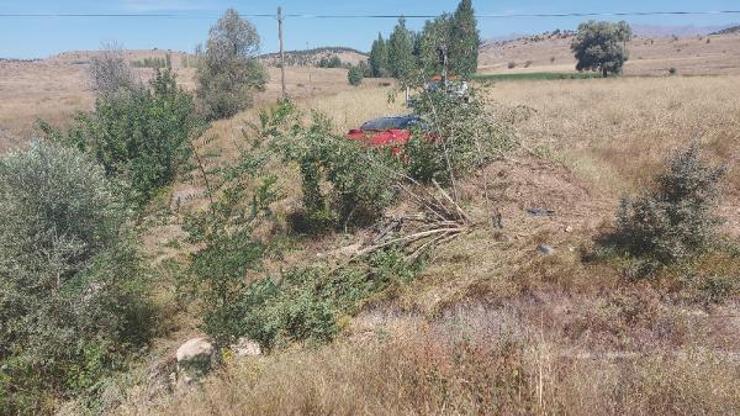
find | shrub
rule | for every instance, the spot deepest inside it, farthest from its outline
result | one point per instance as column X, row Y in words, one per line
column 672, row 70
column 511, row 65
column 458, row 135
column 229, row 70
column 229, row 250
column 674, row 220
column 343, row 182
column 306, row 304
column 355, row 75
column 139, row 137
column 109, row 72
column 71, row 287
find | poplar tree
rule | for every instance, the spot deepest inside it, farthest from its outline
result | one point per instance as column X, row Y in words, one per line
column 401, row 51
column 379, row 57
column 464, row 40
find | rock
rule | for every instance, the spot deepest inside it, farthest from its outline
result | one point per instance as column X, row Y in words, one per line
column 545, row 249
column 245, row 347
column 568, row 229
column 195, row 359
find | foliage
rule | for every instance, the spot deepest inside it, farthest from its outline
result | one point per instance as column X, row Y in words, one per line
column 343, row 182
column 379, row 64
column 229, row 70
column 601, row 46
column 109, row 73
column 333, row 62
column 674, row 220
column 457, row 136
column 432, row 42
column 401, row 60
column 230, row 250
column 464, row 40
column 455, row 35
column 138, row 136
column 154, row 62
column 71, row 286
column 306, row 304
column 355, row 75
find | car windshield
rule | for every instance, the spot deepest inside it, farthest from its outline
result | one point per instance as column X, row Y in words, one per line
column 387, row 123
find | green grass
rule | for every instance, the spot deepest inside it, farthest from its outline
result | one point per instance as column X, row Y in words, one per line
column 535, row 76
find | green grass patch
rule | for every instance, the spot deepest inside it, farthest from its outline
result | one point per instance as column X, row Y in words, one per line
column 535, row 76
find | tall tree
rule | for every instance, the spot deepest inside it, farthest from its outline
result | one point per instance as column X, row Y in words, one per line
column 379, row 57
column 601, row 46
column 229, row 69
column 433, row 40
column 464, row 40
column 401, row 51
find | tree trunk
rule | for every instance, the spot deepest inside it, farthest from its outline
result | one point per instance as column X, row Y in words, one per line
column 603, row 71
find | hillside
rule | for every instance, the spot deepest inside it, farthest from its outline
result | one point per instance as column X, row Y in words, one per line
column 728, row 30
column 313, row 56
column 693, row 55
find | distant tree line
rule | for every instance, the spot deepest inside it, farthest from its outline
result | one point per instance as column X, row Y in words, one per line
column 406, row 52
column 155, row 62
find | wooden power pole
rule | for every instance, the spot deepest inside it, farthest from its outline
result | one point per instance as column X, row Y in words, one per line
column 282, row 52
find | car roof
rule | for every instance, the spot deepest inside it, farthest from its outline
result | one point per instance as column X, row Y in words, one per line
column 391, row 122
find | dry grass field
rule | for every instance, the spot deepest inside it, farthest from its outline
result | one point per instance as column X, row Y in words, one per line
column 491, row 327
column 56, row 88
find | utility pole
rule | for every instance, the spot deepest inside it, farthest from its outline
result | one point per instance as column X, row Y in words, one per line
column 282, row 52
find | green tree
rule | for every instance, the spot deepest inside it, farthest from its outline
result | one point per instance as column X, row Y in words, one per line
column 72, row 302
column 432, row 42
column 139, row 136
column 355, row 75
column 229, row 71
column 601, row 46
column 379, row 58
column 464, row 40
column 401, row 59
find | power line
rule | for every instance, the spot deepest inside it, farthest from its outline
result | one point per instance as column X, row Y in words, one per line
column 368, row 16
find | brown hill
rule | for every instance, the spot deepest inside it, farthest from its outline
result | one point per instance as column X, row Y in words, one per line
column 693, row 55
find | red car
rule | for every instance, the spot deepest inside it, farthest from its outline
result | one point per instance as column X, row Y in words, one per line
column 391, row 132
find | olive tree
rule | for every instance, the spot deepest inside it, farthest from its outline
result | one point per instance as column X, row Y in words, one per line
column 601, row 46
column 229, row 71
column 71, row 289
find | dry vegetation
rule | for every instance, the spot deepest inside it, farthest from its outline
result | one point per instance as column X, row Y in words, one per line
column 56, row 88
column 491, row 326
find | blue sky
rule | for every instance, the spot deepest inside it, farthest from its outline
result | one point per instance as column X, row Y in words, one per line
column 27, row 37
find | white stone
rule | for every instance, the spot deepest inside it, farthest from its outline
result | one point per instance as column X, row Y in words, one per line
column 245, row 347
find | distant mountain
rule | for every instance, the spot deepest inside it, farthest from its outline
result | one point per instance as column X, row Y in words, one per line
column 727, row 30
column 658, row 31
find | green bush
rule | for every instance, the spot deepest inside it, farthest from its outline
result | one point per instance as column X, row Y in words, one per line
column 355, row 75
column 306, row 304
column 229, row 70
column 139, row 136
column 458, row 136
column 674, row 220
column 360, row 179
column 72, row 304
